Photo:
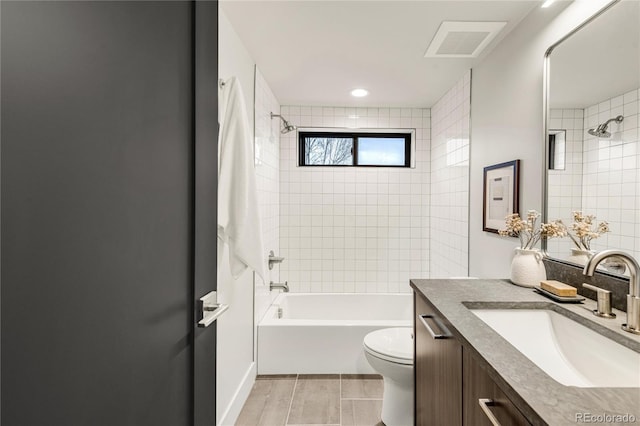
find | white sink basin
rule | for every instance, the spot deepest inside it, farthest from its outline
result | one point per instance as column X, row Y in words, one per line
column 569, row 352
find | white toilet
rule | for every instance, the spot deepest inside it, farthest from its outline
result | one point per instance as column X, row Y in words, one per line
column 389, row 351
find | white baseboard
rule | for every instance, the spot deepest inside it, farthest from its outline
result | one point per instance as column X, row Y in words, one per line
column 232, row 412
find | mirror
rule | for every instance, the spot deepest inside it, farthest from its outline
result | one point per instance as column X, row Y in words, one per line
column 593, row 82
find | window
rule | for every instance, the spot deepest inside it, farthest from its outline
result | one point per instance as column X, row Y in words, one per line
column 358, row 148
column 557, row 147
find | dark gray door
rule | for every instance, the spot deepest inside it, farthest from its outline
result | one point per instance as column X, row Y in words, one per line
column 99, row 201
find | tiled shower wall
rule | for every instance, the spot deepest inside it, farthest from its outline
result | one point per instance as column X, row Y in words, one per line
column 354, row 229
column 601, row 175
column 611, row 182
column 450, row 182
column 565, row 186
column 267, row 158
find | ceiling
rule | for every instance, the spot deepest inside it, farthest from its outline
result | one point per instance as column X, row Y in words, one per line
column 316, row 52
column 600, row 61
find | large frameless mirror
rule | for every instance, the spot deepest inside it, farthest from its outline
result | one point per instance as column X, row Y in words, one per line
column 592, row 155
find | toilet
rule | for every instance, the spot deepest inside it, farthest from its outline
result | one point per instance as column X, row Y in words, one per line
column 389, row 351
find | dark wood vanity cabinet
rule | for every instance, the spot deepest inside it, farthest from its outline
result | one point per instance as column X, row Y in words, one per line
column 480, row 388
column 449, row 381
column 438, row 369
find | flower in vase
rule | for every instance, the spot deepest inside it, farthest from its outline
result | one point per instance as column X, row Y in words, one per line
column 584, row 230
column 527, row 230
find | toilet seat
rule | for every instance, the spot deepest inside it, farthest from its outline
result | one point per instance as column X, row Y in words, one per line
column 391, row 344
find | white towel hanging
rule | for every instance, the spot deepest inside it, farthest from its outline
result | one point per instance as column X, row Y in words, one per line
column 238, row 215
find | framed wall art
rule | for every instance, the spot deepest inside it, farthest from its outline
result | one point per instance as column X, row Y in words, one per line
column 501, row 194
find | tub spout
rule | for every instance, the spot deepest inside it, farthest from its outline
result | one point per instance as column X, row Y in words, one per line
column 282, row 286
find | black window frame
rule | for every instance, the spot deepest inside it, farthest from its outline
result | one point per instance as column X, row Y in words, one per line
column 355, row 135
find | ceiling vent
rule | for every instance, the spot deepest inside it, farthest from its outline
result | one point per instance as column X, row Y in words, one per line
column 462, row 39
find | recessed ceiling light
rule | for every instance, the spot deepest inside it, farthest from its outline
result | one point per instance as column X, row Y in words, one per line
column 359, row 93
column 547, row 3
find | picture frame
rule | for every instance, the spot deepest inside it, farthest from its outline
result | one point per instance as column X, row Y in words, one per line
column 501, row 190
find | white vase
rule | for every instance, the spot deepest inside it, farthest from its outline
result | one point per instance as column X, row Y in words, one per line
column 579, row 256
column 527, row 268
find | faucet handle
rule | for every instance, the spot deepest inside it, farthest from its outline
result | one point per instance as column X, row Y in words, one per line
column 274, row 259
column 604, row 301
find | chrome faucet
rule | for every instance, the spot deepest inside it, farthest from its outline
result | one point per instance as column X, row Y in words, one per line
column 282, row 286
column 633, row 298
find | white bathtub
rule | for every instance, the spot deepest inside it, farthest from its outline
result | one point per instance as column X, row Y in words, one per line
column 322, row 333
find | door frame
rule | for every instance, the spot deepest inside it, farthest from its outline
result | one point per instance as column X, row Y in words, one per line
column 205, row 203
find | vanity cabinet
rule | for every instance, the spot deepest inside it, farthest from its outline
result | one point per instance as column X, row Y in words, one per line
column 449, row 380
column 479, row 387
column 438, row 369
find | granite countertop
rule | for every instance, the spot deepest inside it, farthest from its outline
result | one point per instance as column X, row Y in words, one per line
column 540, row 398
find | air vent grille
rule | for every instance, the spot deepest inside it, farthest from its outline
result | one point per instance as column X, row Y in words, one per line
column 461, row 43
column 462, row 39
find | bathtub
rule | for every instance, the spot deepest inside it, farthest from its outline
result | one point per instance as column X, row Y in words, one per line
column 321, row 333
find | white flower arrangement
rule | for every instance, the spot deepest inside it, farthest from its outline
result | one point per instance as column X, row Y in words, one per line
column 584, row 230
column 527, row 231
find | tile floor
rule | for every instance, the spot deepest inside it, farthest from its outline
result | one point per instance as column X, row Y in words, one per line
column 314, row 399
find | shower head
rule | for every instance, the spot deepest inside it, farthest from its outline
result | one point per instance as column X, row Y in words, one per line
column 601, row 130
column 287, row 127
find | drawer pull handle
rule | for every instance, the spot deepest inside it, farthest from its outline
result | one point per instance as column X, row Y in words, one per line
column 445, row 333
column 485, row 403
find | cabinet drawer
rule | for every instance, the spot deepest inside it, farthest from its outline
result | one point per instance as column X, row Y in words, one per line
column 438, row 369
column 480, row 390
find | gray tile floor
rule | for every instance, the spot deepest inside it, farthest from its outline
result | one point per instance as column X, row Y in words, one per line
column 314, row 399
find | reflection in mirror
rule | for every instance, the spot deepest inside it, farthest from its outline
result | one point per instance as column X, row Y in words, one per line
column 593, row 95
column 557, row 139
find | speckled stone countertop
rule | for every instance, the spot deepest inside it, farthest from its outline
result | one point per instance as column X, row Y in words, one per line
column 539, row 397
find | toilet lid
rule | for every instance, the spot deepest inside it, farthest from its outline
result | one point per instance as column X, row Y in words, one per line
column 392, row 344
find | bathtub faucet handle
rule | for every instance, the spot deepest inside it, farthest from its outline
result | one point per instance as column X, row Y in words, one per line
column 273, row 259
column 282, row 286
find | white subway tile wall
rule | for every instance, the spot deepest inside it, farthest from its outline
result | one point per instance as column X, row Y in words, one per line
column 565, row 186
column 611, row 182
column 267, row 158
column 602, row 175
column 450, row 182
column 362, row 229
